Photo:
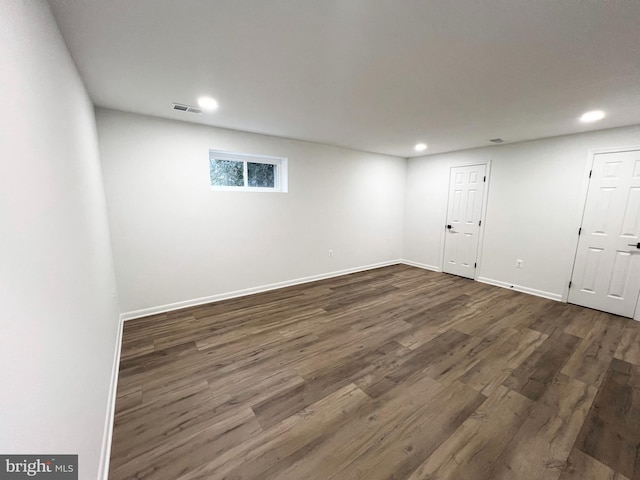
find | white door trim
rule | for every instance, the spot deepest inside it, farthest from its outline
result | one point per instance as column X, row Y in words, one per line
column 584, row 191
column 483, row 214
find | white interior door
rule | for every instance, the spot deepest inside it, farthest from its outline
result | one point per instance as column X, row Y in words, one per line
column 606, row 273
column 466, row 192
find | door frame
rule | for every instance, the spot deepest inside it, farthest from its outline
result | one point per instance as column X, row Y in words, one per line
column 584, row 191
column 483, row 214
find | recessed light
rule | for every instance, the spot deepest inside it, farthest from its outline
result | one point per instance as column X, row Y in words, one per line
column 592, row 116
column 420, row 147
column 208, row 103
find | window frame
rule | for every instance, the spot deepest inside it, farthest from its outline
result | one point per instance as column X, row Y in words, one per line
column 280, row 178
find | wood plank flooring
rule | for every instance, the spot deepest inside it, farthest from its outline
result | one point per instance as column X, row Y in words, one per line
column 394, row 373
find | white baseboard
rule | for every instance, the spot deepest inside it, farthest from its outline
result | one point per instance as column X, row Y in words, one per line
column 421, row 265
column 249, row 291
column 531, row 291
column 111, row 406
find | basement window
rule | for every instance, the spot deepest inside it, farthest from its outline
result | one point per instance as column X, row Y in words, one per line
column 247, row 173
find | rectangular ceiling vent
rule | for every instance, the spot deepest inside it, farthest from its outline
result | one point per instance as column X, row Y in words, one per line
column 186, row 108
column 496, row 140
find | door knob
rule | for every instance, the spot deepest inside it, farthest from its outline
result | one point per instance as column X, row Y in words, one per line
column 449, row 227
column 637, row 245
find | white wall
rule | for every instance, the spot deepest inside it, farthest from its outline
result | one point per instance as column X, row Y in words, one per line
column 535, row 202
column 59, row 316
column 175, row 240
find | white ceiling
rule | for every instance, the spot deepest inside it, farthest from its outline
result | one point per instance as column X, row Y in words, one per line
column 375, row 75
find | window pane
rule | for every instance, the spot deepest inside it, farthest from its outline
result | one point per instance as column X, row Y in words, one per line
column 261, row 175
column 226, row 173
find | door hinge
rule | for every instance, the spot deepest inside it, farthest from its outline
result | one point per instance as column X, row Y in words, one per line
column 480, row 223
column 579, row 231
column 570, row 282
column 590, row 172
column 475, row 265
column 484, row 179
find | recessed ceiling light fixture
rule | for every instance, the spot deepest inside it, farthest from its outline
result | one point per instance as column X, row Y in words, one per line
column 208, row 103
column 592, row 116
column 420, row 147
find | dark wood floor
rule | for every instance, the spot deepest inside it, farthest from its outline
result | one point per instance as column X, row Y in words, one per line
column 394, row 373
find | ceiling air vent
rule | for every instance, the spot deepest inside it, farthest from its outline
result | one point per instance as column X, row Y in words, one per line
column 496, row 140
column 186, row 108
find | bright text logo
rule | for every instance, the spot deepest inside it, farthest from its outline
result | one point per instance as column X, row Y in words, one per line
column 50, row 467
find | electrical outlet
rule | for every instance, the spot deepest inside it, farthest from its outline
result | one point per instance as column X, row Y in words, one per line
column 331, row 253
column 519, row 263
